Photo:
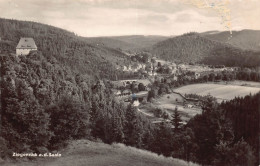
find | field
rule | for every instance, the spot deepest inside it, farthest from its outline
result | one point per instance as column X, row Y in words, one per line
column 220, row 91
column 87, row 153
column 241, row 83
column 169, row 102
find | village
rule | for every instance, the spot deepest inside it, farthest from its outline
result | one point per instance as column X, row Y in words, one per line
column 150, row 69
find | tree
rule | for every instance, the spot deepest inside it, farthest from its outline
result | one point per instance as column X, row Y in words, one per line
column 151, row 94
column 157, row 112
column 176, row 119
column 159, row 64
column 242, row 154
column 153, row 60
column 209, row 103
column 133, row 127
column 141, row 87
column 117, row 128
column 211, row 77
column 239, row 154
column 25, row 122
column 205, row 78
column 69, row 119
column 165, row 115
column 162, row 143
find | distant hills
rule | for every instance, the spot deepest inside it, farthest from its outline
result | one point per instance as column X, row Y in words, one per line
column 245, row 39
column 127, row 43
column 213, row 47
column 186, row 48
column 208, row 48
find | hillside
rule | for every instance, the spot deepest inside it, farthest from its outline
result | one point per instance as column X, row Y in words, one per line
column 126, row 43
column 141, row 40
column 84, row 152
column 66, row 47
column 193, row 47
column 111, row 43
column 245, row 39
column 186, row 48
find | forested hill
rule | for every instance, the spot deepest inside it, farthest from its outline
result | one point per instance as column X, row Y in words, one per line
column 193, row 47
column 245, row 39
column 69, row 49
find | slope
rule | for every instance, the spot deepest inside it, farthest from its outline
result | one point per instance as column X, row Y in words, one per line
column 141, row 40
column 245, row 39
column 66, row 47
column 84, row 152
column 111, row 43
column 186, row 48
column 193, row 47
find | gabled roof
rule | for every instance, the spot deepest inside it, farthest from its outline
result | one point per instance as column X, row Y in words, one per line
column 26, row 43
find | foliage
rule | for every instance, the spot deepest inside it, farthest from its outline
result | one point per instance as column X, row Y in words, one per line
column 25, row 124
column 69, row 120
column 176, row 119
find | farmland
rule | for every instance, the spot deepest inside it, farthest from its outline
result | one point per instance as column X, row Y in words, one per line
column 220, row 91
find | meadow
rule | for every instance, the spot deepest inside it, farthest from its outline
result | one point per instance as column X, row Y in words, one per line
column 168, row 102
column 220, row 91
column 84, row 152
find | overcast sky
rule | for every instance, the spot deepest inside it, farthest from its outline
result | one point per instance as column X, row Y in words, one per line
column 130, row 17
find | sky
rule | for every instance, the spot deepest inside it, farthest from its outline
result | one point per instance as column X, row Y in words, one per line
column 90, row 18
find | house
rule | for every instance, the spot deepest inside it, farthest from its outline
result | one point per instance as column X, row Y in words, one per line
column 126, row 92
column 25, row 45
column 197, row 75
column 116, row 92
column 124, row 68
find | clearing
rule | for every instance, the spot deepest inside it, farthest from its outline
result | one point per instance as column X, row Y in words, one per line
column 168, row 102
column 220, row 91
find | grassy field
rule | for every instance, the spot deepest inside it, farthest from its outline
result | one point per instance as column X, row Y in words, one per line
column 241, row 83
column 170, row 101
column 220, row 91
column 87, row 153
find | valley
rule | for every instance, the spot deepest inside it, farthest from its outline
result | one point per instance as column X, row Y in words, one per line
column 124, row 100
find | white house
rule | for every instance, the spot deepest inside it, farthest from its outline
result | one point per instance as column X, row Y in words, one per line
column 197, row 75
column 25, row 45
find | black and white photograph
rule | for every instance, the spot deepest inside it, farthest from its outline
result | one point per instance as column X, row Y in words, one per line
column 129, row 82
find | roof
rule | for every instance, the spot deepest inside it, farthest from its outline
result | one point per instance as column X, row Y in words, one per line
column 126, row 91
column 26, row 43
